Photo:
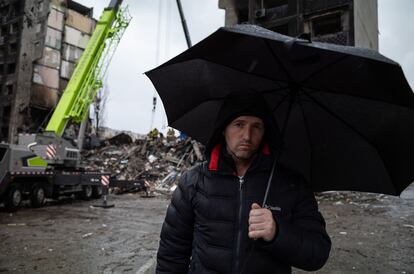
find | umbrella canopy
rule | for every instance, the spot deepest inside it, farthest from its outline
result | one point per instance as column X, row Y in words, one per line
column 346, row 114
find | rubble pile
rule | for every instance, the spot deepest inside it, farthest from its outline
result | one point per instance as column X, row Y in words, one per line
column 156, row 159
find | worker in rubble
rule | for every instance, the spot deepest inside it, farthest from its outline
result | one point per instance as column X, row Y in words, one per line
column 217, row 221
column 153, row 134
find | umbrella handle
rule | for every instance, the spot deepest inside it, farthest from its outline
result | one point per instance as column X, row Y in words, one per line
column 269, row 182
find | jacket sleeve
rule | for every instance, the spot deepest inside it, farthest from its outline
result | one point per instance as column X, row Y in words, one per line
column 301, row 240
column 177, row 231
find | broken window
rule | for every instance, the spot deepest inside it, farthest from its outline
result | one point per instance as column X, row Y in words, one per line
column 13, row 48
column 38, row 117
column 3, row 151
column 4, row 11
column 243, row 15
column 3, row 31
column 6, row 113
column 4, row 132
column 15, row 9
column 271, row 8
column 14, row 28
column 11, row 68
column 76, row 6
column 327, row 24
column 9, row 89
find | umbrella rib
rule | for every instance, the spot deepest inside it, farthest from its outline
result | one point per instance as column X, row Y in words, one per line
column 323, row 68
column 309, row 138
column 277, row 59
column 278, row 105
column 271, row 90
column 324, row 107
column 287, row 117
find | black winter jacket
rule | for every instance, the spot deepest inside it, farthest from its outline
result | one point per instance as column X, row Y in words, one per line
column 206, row 226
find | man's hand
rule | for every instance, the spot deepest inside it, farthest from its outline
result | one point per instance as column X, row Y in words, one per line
column 261, row 223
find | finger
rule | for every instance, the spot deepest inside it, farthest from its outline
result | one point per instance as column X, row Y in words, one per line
column 256, row 234
column 257, row 212
column 259, row 227
column 260, row 215
column 257, row 219
column 256, row 206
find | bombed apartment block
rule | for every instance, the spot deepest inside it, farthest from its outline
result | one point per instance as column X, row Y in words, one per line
column 344, row 22
column 40, row 43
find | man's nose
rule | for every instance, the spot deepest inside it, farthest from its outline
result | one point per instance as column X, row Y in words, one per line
column 247, row 133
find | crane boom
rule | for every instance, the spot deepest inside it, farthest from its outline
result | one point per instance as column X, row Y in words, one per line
column 80, row 92
column 87, row 76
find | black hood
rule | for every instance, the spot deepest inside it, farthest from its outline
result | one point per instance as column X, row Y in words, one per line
column 246, row 105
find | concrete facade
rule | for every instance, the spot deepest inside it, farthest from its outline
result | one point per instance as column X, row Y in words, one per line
column 366, row 23
column 40, row 43
column 345, row 22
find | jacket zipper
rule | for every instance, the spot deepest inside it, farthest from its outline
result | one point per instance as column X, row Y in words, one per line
column 239, row 233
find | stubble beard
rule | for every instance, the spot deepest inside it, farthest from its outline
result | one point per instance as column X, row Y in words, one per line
column 242, row 156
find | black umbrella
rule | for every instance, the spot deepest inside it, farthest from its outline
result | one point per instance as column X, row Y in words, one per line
column 346, row 113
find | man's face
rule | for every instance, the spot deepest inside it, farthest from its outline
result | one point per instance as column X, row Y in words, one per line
column 243, row 136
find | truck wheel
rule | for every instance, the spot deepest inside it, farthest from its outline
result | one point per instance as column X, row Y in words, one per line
column 97, row 191
column 37, row 195
column 13, row 199
column 86, row 192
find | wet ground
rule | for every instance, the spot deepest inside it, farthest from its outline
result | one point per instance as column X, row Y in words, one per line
column 73, row 237
column 370, row 234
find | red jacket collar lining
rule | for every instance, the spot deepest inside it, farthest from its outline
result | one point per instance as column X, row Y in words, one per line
column 215, row 155
column 214, row 158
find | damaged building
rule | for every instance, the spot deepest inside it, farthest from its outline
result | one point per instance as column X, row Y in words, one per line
column 40, row 43
column 344, row 22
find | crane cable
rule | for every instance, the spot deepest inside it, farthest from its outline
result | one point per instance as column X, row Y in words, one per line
column 157, row 61
column 166, row 50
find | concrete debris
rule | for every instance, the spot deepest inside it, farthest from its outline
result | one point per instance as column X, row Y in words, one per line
column 152, row 158
column 120, row 139
column 87, row 235
column 158, row 160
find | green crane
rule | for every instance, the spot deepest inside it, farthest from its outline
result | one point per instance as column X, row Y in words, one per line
column 87, row 77
column 80, row 92
column 46, row 165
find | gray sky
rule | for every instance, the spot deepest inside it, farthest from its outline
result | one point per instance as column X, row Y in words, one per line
column 130, row 99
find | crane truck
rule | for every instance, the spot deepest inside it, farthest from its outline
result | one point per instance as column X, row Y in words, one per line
column 46, row 165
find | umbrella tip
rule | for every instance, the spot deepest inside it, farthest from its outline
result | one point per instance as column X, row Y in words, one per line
column 303, row 36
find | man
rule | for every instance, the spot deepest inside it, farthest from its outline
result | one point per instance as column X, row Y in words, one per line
column 216, row 222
